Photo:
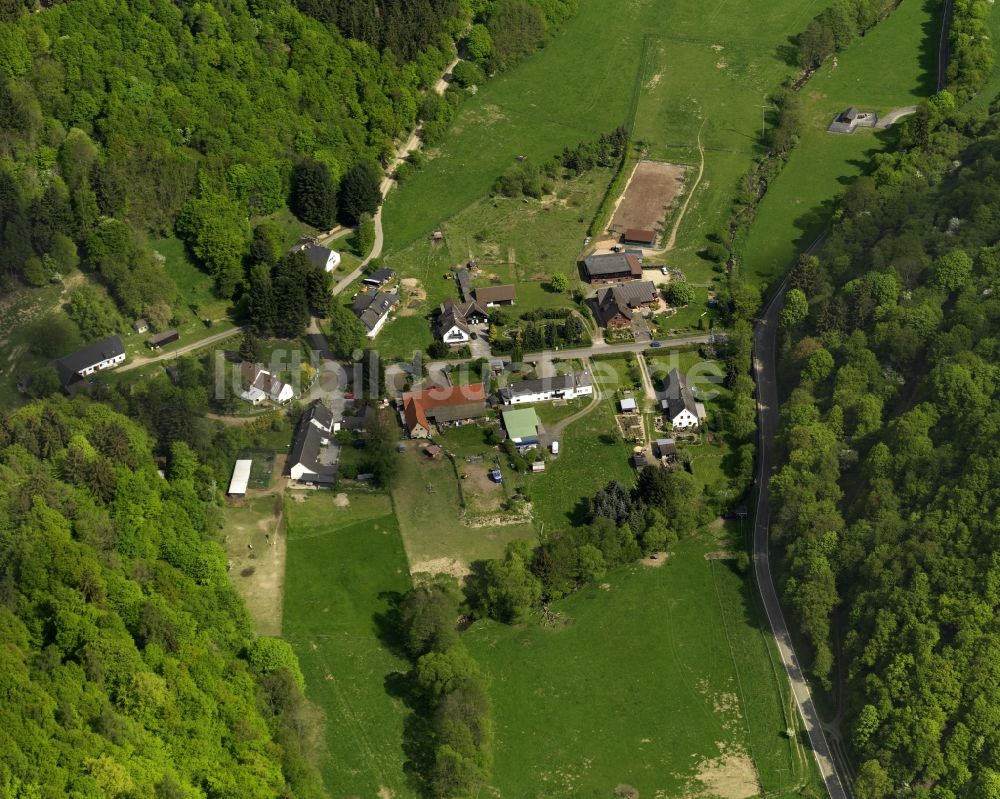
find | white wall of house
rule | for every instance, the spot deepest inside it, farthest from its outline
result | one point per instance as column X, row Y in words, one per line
column 283, row 395
column 455, row 335
column 105, row 364
column 332, row 261
column 378, row 326
column 548, row 396
column 684, row 419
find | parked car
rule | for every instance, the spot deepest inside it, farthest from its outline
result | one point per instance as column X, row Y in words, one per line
column 496, row 476
column 664, row 270
column 656, row 344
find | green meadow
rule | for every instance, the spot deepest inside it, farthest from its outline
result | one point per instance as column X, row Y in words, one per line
column 891, row 67
column 661, row 679
column 345, row 563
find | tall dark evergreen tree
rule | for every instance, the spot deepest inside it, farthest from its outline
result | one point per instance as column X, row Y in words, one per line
column 359, row 192
column 291, row 305
column 314, row 197
column 260, row 301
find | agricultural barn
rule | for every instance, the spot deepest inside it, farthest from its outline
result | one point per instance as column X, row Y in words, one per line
column 639, row 237
column 104, row 354
column 496, row 295
column 450, row 405
column 611, row 268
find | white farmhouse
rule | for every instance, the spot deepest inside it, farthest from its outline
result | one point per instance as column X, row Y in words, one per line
column 680, row 407
column 546, row 389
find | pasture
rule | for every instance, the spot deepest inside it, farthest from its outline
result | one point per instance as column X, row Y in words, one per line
column 603, row 47
column 800, row 203
column 256, row 550
column 448, row 522
column 345, row 565
column 662, row 679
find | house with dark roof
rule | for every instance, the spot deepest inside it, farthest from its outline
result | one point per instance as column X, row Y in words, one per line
column 259, row 384
column 456, row 320
column 321, row 257
column 96, row 357
column 642, row 238
column 611, row 267
column 379, row 277
column 546, row 389
column 463, row 278
column 442, row 405
column 617, row 305
column 311, row 460
column 679, row 406
column 373, row 309
column 490, row 296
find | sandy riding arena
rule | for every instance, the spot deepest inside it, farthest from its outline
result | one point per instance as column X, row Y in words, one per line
column 648, row 196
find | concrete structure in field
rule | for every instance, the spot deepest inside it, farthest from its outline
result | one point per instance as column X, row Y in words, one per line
column 679, row 406
column 450, row 405
column 611, row 268
column 96, row 357
column 241, row 478
column 310, row 461
column 490, row 296
column 522, row 426
column 851, row 119
column 373, row 309
column 546, row 389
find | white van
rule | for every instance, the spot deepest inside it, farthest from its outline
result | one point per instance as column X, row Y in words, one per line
column 555, row 447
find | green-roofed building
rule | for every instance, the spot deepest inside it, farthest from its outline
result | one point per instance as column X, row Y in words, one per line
column 522, row 426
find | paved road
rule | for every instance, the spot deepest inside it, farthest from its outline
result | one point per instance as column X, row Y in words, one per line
column 197, row 345
column 764, row 347
column 599, row 347
column 887, row 120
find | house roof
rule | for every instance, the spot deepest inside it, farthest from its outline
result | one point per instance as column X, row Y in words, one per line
column 380, row 276
column 370, row 308
column 319, row 415
column 462, row 276
column 679, row 396
column 521, row 423
column 306, row 452
column 496, row 294
column 419, row 406
column 612, row 265
column 452, row 319
column 639, row 235
column 241, row 477
column 163, row 338
column 70, row 365
column 543, row 384
column 464, row 309
column 318, row 255
column 628, row 404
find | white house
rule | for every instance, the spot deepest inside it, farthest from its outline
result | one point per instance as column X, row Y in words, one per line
column 453, row 330
column 311, row 460
column 104, row 354
column 373, row 309
column 457, row 319
column 546, row 389
column 259, row 384
column 679, row 406
column 322, row 257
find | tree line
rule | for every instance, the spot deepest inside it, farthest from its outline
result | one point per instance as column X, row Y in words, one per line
column 886, row 508
column 123, row 638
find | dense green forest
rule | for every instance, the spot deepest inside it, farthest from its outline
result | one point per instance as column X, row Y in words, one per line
column 120, row 121
column 888, row 504
column 128, row 663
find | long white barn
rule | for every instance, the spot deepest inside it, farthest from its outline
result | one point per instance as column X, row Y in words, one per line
column 546, row 389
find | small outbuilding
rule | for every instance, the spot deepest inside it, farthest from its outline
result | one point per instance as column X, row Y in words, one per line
column 140, row 326
column 642, row 238
column 241, row 478
column 628, row 405
column 162, row 339
column 537, row 466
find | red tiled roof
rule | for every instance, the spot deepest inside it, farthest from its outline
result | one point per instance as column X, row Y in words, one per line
column 417, row 404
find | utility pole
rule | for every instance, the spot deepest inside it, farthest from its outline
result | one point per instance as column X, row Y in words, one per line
column 763, row 110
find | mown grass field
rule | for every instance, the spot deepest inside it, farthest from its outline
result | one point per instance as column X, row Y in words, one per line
column 526, row 112
column 893, row 66
column 658, row 677
column 591, row 454
column 345, row 562
column 427, row 496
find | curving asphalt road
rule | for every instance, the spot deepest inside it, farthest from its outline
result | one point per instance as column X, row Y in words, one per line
column 765, row 374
